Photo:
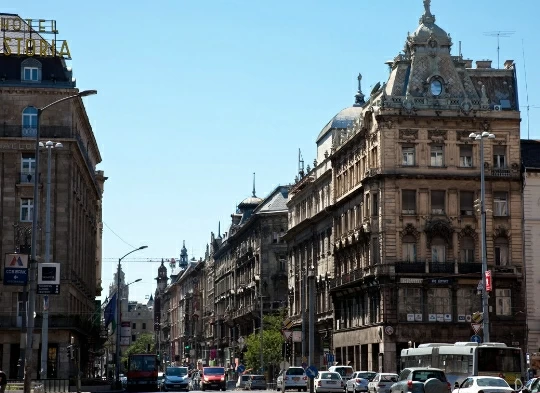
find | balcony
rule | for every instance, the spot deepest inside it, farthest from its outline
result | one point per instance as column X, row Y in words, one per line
column 501, row 172
column 441, row 267
column 410, row 267
column 469, row 267
column 26, row 177
column 24, row 131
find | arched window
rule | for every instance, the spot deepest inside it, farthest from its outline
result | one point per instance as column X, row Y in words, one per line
column 467, row 249
column 29, row 121
column 501, row 252
column 31, row 70
column 438, row 250
column 409, row 248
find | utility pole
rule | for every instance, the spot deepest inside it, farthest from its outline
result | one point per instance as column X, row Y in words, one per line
column 311, row 297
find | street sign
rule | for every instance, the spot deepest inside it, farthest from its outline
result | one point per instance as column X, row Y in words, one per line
column 297, row 336
column 476, row 327
column 476, row 339
column 16, row 269
column 312, row 372
column 488, row 281
column 48, row 279
column 48, row 289
column 241, row 368
column 287, row 334
column 477, row 317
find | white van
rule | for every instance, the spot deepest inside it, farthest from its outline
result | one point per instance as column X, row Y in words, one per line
column 346, row 372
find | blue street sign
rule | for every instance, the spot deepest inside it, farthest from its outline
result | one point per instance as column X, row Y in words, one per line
column 241, row 368
column 330, row 359
column 15, row 276
column 312, row 372
column 476, row 339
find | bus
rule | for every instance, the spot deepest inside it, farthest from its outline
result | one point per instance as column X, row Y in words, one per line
column 464, row 359
column 142, row 372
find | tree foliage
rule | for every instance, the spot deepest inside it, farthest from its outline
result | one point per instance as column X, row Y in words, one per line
column 272, row 341
column 140, row 346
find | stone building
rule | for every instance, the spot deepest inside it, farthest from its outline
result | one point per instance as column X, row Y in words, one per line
column 249, row 272
column 30, row 81
column 162, row 322
column 406, row 177
column 530, row 153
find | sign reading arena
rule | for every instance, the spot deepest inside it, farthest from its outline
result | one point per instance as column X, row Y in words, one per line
column 25, row 37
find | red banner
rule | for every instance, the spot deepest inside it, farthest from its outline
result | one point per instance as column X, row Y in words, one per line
column 488, row 281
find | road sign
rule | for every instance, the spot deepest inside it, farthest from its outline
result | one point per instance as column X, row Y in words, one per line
column 488, row 281
column 476, row 339
column 287, row 334
column 312, row 372
column 48, row 289
column 476, row 327
column 297, row 336
column 477, row 317
column 241, row 368
column 16, row 269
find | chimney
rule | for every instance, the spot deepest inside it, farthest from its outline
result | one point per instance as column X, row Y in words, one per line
column 483, row 63
column 509, row 64
column 468, row 63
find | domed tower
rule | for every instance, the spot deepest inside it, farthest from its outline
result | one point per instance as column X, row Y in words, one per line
column 162, row 277
column 246, row 207
column 183, row 263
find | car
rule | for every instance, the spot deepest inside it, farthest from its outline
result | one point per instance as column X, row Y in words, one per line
column 346, row 372
column 176, row 378
column 292, row 378
column 123, row 380
column 242, row 380
column 484, row 384
column 328, row 381
column 532, row 386
column 358, row 381
column 213, row 378
column 256, row 382
column 381, row 382
column 421, row 380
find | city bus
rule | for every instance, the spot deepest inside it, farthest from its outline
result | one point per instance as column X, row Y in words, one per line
column 142, row 372
column 464, row 359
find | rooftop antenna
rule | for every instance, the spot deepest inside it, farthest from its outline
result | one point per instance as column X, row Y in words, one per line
column 254, row 185
column 300, row 164
column 499, row 34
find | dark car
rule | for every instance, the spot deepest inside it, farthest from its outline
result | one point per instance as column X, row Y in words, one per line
column 256, row 382
column 421, row 380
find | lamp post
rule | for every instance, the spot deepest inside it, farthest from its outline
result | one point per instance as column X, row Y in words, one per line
column 118, row 316
column 31, row 307
column 45, row 324
column 485, row 298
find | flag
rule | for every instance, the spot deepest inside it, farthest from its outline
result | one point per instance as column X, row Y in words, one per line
column 110, row 313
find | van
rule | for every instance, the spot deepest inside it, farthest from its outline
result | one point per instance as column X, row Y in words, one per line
column 213, row 378
column 346, row 372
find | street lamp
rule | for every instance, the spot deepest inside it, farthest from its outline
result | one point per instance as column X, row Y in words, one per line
column 485, row 299
column 45, row 324
column 118, row 316
column 31, row 308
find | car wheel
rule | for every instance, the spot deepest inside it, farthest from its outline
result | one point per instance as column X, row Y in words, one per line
column 203, row 388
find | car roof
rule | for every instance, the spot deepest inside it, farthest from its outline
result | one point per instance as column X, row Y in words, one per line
column 423, row 368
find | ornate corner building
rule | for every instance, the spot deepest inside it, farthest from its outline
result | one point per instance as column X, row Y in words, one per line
column 32, row 79
column 406, row 179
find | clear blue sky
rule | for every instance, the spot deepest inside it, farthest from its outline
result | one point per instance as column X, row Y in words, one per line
column 194, row 96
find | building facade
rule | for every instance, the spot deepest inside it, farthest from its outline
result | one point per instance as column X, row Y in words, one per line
column 31, row 81
column 407, row 234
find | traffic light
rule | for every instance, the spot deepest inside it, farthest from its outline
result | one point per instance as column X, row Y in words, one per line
column 71, row 352
column 186, row 347
column 158, row 356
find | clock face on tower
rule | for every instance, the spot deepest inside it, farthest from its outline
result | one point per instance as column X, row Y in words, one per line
column 436, row 87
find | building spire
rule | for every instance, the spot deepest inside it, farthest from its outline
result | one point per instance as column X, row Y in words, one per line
column 254, row 185
column 359, row 97
column 428, row 18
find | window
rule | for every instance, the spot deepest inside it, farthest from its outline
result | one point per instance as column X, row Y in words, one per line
column 134, row 325
column 144, row 326
column 375, row 201
column 500, row 204
column 29, row 121
column 27, row 207
column 437, row 202
column 438, row 250
column 504, row 302
column 31, row 74
column 408, row 202
column 501, row 252
column 468, row 301
column 407, row 156
column 499, row 157
column 133, row 338
column 28, row 167
column 466, row 202
column 465, row 156
column 375, row 254
column 410, row 304
column 409, row 248
column 467, row 249
column 437, row 158
column 439, row 301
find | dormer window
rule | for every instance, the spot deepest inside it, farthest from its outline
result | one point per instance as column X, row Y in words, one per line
column 30, row 74
column 31, row 70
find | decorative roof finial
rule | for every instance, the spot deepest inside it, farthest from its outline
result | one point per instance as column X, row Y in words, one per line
column 254, row 185
column 428, row 17
column 427, row 5
column 359, row 96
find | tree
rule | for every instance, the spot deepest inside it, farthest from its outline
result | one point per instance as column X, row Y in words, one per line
column 141, row 345
column 272, row 343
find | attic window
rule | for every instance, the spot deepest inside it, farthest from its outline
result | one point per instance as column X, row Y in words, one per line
column 31, row 70
column 30, row 74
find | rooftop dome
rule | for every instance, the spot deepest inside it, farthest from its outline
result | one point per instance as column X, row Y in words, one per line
column 343, row 119
column 250, row 202
column 428, row 31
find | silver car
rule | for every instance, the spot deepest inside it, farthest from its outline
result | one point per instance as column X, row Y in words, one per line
column 359, row 381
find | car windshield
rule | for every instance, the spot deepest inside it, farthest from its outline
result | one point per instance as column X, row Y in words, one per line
column 295, row 371
column 142, row 363
column 245, row 377
column 177, row 371
column 424, row 375
column 492, row 382
column 257, row 378
column 388, row 378
column 368, row 376
column 345, row 371
column 334, row 376
column 214, row 371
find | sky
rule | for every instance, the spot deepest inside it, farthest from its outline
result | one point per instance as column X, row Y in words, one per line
column 194, row 96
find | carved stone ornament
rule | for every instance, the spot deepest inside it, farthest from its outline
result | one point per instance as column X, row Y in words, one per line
column 466, row 106
column 408, row 134
column 463, row 135
column 408, row 103
column 439, row 228
column 437, row 134
column 410, row 229
column 468, row 231
column 501, row 231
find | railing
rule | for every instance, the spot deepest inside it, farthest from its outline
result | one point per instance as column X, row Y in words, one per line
column 469, row 267
column 410, row 267
column 441, row 267
column 27, row 177
column 54, row 385
column 24, row 131
column 500, row 172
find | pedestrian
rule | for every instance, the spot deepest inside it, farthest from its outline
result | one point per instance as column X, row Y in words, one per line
column 3, row 381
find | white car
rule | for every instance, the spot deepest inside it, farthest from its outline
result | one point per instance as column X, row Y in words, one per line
column 358, row 381
column 346, row 372
column 381, row 382
column 293, row 378
column 328, row 381
column 484, row 384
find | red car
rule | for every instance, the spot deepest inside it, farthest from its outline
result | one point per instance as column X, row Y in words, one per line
column 213, row 378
